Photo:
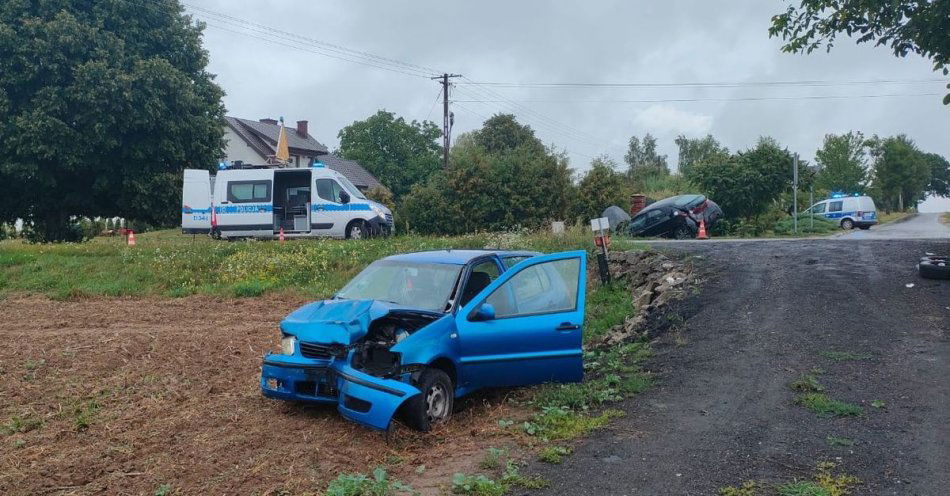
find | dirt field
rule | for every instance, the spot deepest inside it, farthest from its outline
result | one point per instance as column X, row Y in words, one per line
column 121, row 396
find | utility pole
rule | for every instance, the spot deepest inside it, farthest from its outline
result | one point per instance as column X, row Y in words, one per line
column 795, row 192
column 446, row 117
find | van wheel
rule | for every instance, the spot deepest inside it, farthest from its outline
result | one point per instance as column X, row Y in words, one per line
column 434, row 405
column 847, row 224
column 356, row 230
column 864, row 228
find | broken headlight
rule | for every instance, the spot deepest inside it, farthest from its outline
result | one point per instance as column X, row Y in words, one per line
column 287, row 345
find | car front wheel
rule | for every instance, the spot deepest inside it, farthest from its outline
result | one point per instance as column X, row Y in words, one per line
column 356, row 230
column 434, row 405
column 847, row 224
column 683, row 232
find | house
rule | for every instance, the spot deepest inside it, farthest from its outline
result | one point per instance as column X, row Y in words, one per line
column 252, row 142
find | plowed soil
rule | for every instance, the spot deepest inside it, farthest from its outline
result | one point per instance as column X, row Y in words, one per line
column 124, row 396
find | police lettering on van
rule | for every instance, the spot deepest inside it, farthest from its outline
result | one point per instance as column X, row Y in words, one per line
column 849, row 211
column 258, row 201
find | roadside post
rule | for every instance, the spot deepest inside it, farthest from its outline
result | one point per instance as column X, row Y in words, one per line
column 601, row 227
column 795, row 192
column 811, row 202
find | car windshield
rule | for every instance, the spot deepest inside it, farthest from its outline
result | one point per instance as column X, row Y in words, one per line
column 353, row 190
column 426, row 286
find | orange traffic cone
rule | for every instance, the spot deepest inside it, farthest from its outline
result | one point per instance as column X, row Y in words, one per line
column 131, row 239
column 281, row 235
column 702, row 230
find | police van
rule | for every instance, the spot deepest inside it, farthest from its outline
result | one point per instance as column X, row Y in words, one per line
column 848, row 211
column 260, row 201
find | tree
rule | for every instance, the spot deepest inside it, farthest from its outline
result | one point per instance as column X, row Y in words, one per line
column 502, row 133
column 748, row 183
column 842, row 162
column 907, row 26
column 939, row 175
column 901, row 173
column 102, row 104
column 642, row 158
column 600, row 187
column 696, row 151
column 399, row 153
column 524, row 186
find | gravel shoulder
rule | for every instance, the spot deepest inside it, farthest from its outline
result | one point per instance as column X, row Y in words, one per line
column 724, row 413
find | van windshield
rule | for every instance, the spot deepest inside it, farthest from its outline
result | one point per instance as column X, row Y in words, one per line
column 350, row 188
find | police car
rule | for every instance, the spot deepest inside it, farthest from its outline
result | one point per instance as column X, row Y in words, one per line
column 848, row 211
column 261, row 201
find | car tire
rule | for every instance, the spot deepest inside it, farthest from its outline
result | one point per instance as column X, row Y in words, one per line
column 434, row 405
column 934, row 269
column 864, row 228
column 683, row 232
column 847, row 224
column 356, row 229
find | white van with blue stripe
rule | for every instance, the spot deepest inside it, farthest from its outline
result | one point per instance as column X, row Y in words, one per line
column 260, row 201
column 848, row 211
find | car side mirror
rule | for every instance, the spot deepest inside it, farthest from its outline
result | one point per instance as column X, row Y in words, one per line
column 344, row 197
column 484, row 312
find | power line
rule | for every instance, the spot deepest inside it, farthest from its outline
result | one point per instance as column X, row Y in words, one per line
column 724, row 99
column 367, row 56
column 725, row 84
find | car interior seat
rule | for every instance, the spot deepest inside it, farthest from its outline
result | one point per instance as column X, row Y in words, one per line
column 477, row 281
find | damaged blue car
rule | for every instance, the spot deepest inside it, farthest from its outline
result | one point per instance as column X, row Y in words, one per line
column 413, row 332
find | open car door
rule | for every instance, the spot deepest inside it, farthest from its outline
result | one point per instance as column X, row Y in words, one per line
column 526, row 327
column 196, row 202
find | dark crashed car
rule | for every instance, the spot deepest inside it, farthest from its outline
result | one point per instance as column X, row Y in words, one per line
column 675, row 217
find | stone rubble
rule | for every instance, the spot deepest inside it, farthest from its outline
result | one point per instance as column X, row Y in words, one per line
column 654, row 280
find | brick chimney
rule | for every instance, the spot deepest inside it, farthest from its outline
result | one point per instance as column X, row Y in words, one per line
column 302, row 129
column 268, row 120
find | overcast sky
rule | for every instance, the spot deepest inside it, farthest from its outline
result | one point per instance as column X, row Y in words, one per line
column 677, row 41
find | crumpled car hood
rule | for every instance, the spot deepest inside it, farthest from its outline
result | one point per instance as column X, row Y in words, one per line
column 335, row 321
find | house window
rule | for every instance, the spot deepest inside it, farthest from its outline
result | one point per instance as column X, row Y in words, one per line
column 248, row 191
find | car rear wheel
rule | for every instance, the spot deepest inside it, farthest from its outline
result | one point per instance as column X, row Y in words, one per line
column 434, row 405
column 683, row 232
column 847, row 224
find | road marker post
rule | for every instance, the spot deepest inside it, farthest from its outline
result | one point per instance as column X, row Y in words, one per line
column 601, row 227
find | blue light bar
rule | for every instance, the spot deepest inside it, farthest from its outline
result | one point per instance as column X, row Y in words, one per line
column 317, row 164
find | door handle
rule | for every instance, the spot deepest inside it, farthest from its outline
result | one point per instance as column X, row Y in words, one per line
column 567, row 326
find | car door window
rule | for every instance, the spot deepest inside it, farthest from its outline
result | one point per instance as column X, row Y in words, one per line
column 818, row 208
column 654, row 216
column 329, row 190
column 512, row 261
column 481, row 276
column 547, row 287
column 835, row 206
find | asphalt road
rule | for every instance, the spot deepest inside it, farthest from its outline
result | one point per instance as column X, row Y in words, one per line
column 723, row 411
column 915, row 227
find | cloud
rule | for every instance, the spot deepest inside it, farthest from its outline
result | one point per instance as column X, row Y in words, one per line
column 664, row 120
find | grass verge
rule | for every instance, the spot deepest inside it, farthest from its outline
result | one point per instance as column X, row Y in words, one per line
column 168, row 263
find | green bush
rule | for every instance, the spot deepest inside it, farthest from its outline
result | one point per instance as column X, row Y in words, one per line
column 362, row 485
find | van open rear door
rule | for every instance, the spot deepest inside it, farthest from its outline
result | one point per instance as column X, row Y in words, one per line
column 196, row 202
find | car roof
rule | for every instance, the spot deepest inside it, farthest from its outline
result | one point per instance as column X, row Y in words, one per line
column 455, row 257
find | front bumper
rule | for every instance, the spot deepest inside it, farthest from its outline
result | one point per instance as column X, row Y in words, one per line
column 382, row 226
column 360, row 397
